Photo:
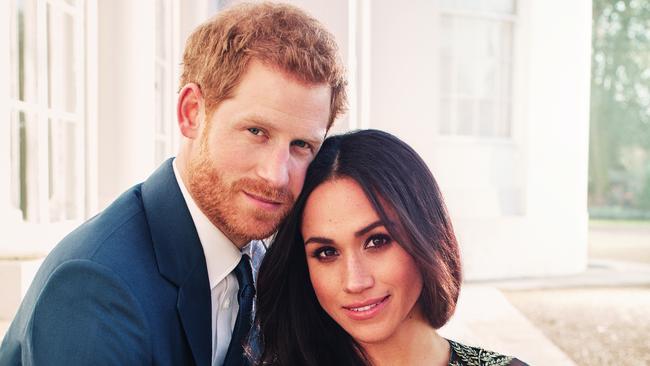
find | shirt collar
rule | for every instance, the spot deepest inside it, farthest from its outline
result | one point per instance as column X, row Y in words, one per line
column 221, row 255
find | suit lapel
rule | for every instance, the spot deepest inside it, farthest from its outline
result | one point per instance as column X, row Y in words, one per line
column 195, row 312
column 180, row 257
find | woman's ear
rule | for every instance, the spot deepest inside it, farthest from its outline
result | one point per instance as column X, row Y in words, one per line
column 188, row 110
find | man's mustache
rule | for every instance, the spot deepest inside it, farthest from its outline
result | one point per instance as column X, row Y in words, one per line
column 263, row 190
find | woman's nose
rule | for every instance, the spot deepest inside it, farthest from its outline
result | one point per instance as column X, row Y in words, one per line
column 358, row 277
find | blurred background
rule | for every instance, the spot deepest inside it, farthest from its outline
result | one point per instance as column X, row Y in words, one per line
column 534, row 116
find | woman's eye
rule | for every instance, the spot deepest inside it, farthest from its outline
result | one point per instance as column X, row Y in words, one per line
column 325, row 253
column 377, row 241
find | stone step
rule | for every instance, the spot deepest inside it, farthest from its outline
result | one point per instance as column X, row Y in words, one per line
column 485, row 318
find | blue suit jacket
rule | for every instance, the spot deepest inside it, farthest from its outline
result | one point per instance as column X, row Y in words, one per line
column 128, row 287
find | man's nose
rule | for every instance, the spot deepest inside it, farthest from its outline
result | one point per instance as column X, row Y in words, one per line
column 274, row 167
column 358, row 276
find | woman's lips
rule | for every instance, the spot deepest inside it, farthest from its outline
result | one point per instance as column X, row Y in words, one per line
column 366, row 309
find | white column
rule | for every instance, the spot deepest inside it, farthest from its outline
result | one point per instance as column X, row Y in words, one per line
column 558, row 132
column 126, row 98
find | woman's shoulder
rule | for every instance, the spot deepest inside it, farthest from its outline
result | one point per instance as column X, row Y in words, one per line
column 462, row 355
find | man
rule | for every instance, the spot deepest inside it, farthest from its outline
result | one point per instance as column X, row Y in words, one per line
column 159, row 276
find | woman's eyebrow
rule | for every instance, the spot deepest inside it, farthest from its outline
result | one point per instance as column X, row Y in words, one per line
column 364, row 231
column 368, row 228
column 319, row 240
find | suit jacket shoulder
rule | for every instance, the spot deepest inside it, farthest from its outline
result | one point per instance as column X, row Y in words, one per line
column 116, row 290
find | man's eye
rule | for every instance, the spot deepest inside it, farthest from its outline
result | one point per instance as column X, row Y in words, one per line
column 255, row 131
column 377, row 241
column 301, row 144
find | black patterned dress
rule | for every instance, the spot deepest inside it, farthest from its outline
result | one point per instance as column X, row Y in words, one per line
column 462, row 355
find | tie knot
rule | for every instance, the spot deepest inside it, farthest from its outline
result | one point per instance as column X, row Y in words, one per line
column 244, row 273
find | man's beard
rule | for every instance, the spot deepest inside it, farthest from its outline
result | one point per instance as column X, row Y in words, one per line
column 217, row 200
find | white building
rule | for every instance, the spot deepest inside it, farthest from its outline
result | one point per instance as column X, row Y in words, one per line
column 494, row 94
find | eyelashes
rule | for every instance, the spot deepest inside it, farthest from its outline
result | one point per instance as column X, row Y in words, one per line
column 378, row 241
column 326, row 253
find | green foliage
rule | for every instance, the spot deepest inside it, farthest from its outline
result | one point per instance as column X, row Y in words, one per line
column 619, row 154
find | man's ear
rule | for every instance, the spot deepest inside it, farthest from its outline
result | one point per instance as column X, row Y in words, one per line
column 188, row 110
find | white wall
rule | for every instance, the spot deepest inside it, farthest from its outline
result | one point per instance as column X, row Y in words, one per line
column 519, row 207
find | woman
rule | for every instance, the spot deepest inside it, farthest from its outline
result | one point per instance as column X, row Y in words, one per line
column 366, row 266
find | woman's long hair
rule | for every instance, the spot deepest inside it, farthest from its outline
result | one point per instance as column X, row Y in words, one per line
column 294, row 328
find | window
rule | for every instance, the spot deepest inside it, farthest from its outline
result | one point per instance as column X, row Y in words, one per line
column 476, row 66
column 46, row 109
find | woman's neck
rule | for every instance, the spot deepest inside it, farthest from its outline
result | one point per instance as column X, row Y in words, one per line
column 414, row 343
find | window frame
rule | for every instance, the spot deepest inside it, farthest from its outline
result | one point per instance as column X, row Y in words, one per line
column 515, row 109
column 28, row 239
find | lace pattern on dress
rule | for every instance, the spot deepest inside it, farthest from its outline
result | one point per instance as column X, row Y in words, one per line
column 462, row 355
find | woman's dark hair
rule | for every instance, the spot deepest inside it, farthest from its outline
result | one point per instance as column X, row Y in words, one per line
column 294, row 329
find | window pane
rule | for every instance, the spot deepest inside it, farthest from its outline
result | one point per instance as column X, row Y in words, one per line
column 475, row 73
column 61, row 60
column 24, row 164
column 64, row 179
column 161, row 28
column 493, row 6
column 467, row 38
column 222, row 4
column 465, row 113
column 506, row 38
column 445, row 122
column 504, row 126
column 501, row 6
column 486, row 118
column 489, row 77
column 23, row 50
column 17, row 131
column 161, row 151
column 161, row 114
column 446, row 56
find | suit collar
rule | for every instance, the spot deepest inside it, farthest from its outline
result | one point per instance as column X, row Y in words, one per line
column 180, row 257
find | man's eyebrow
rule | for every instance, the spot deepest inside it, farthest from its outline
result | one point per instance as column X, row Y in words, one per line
column 366, row 229
column 256, row 119
column 319, row 240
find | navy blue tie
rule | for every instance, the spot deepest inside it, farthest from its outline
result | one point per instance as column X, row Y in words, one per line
column 235, row 355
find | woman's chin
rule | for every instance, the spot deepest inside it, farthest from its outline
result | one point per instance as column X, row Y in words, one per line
column 369, row 334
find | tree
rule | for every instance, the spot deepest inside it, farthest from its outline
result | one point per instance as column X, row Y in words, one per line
column 620, row 103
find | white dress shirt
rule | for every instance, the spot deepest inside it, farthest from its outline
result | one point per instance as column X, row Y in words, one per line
column 221, row 257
